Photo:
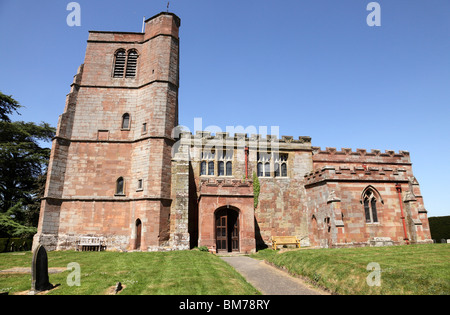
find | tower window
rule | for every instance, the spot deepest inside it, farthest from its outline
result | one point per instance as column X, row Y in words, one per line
column 120, row 186
column 119, row 63
column 131, row 64
column 125, row 65
column 126, row 121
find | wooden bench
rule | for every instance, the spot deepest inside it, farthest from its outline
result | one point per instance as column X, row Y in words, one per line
column 90, row 244
column 285, row 240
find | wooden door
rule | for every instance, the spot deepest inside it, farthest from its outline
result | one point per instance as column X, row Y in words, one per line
column 138, row 234
column 221, row 232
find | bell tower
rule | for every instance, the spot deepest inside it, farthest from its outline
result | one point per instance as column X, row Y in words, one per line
column 110, row 165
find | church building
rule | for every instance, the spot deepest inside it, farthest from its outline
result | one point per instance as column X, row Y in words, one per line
column 121, row 171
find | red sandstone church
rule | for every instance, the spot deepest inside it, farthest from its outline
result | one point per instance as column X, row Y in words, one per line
column 118, row 172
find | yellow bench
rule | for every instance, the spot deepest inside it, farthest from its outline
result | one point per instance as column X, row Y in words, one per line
column 285, row 240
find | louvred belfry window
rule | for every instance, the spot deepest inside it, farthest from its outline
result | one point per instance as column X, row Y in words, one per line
column 131, row 64
column 119, row 64
column 125, row 65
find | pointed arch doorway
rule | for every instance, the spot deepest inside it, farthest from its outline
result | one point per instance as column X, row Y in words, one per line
column 227, row 230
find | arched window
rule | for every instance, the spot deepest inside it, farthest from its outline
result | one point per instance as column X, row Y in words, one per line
column 370, row 205
column 203, row 168
column 229, row 169
column 120, row 186
column 211, row 168
column 119, row 63
column 284, row 170
column 260, row 170
column 126, row 121
column 125, row 64
column 131, row 64
column 221, row 168
column 276, row 169
column 267, row 169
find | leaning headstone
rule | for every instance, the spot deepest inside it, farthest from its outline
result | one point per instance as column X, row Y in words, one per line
column 39, row 271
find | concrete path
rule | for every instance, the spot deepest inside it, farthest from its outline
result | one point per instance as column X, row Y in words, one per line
column 269, row 280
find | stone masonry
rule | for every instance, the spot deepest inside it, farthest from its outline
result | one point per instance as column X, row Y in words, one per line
column 120, row 170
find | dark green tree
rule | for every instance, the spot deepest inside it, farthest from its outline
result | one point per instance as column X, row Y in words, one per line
column 8, row 105
column 23, row 165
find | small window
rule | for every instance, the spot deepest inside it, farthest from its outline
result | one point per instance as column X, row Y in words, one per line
column 126, row 121
column 120, row 186
column 119, row 64
column 144, row 128
column 140, row 185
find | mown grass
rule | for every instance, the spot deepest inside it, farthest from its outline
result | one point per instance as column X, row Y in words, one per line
column 413, row 269
column 171, row 273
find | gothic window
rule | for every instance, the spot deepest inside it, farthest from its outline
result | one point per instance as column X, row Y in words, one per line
column 284, row 170
column 125, row 65
column 263, row 164
column 120, row 186
column 126, row 121
column 203, row 168
column 211, row 168
column 221, row 169
column 207, row 165
column 260, row 170
column 119, row 63
column 131, row 64
column 370, row 206
column 229, row 168
column 275, row 162
column 267, row 169
column 276, row 169
column 225, row 166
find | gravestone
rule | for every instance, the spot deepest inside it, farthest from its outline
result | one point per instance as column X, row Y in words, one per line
column 39, row 271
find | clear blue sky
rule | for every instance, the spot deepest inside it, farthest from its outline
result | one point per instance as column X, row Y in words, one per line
column 311, row 67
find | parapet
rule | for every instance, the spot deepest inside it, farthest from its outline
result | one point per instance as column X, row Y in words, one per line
column 206, row 135
column 360, row 156
column 357, row 173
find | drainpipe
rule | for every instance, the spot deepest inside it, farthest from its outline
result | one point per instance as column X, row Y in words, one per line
column 398, row 187
column 246, row 162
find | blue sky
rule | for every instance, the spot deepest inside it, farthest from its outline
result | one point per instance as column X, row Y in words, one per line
column 312, row 68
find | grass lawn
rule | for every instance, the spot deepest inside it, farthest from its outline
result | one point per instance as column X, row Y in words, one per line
column 170, row 273
column 413, row 269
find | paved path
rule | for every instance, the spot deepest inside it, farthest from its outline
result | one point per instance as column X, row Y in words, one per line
column 269, row 280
